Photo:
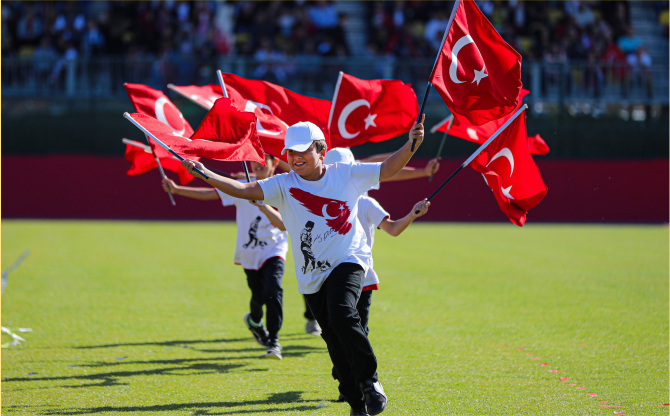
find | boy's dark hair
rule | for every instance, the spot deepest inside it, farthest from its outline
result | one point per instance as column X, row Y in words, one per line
column 309, row 224
column 320, row 145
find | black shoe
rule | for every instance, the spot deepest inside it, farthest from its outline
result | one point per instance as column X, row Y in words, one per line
column 359, row 412
column 375, row 398
column 341, row 399
column 259, row 333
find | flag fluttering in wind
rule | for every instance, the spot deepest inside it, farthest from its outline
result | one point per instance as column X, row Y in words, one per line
column 224, row 134
column 511, row 173
column 142, row 160
column 370, row 111
column 479, row 134
column 276, row 108
column 154, row 103
column 477, row 74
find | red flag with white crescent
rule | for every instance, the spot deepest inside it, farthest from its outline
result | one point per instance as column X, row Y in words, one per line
column 479, row 134
column 224, row 134
column 276, row 108
column 477, row 73
column 154, row 103
column 511, row 173
column 371, row 111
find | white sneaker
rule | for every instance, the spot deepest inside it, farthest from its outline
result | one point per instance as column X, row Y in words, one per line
column 274, row 350
column 312, row 327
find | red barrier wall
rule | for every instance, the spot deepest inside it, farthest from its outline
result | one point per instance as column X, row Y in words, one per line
column 97, row 187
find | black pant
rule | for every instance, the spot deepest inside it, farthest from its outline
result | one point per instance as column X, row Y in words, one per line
column 265, row 285
column 334, row 307
column 363, row 308
column 308, row 313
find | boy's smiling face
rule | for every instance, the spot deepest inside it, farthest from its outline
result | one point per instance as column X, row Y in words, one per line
column 307, row 164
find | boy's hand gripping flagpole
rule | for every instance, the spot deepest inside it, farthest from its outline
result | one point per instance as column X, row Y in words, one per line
column 444, row 139
column 478, row 151
column 219, row 74
column 439, row 51
column 161, row 144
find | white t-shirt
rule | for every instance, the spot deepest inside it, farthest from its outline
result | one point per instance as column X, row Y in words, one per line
column 257, row 239
column 371, row 215
column 321, row 216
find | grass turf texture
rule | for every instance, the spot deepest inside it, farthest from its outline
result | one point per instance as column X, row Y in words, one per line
column 146, row 318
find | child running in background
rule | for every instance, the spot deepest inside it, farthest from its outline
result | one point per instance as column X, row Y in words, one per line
column 320, row 203
column 372, row 216
column 262, row 244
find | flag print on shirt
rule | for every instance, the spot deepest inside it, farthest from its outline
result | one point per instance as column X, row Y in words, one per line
column 334, row 211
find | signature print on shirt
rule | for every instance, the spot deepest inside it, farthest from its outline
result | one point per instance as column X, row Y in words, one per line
column 253, row 230
column 306, row 247
column 334, row 211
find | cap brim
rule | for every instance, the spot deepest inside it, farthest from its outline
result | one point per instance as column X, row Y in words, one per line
column 297, row 147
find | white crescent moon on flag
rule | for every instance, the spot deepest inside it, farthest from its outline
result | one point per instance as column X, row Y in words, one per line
column 504, row 152
column 324, row 212
column 250, row 107
column 342, row 121
column 159, row 108
column 453, row 68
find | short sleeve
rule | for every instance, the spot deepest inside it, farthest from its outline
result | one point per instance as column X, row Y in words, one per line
column 226, row 199
column 272, row 192
column 374, row 212
column 365, row 176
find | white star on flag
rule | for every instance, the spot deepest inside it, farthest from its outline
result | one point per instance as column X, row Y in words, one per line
column 505, row 191
column 370, row 120
column 479, row 75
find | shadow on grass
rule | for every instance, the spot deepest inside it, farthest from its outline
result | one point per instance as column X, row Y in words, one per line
column 114, row 378
column 290, row 397
column 169, row 367
column 175, row 343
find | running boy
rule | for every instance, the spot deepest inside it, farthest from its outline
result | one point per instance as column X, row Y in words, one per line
column 262, row 243
column 323, row 201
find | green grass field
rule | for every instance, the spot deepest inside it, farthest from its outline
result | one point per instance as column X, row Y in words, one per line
column 145, row 318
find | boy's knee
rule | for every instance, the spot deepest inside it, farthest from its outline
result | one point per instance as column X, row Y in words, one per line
column 343, row 317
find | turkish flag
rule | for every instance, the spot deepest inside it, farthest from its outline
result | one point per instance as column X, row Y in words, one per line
column 276, row 108
column 335, row 212
column 511, row 173
column 154, row 103
column 479, row 134
column 204, row 96
column 371, row 111
column 142, row 161
column 477, row 74
column 224, row 134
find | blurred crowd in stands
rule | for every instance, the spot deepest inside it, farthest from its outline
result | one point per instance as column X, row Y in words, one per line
column 54, row 33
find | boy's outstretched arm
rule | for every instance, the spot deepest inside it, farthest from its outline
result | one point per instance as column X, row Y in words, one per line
column 391, row 166
column 409, row 172
column 205, row 194
column 273, row 215
column 395, row 228
column 250, row 191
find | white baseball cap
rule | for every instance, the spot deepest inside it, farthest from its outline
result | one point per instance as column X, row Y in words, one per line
column 301, row 135
column 339, row 155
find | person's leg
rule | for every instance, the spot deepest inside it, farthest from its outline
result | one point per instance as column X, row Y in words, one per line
column 318, row 304
column 308, row 312
column 363, row 308
column 271, row 275
column 255, row 282
column 254, row 319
